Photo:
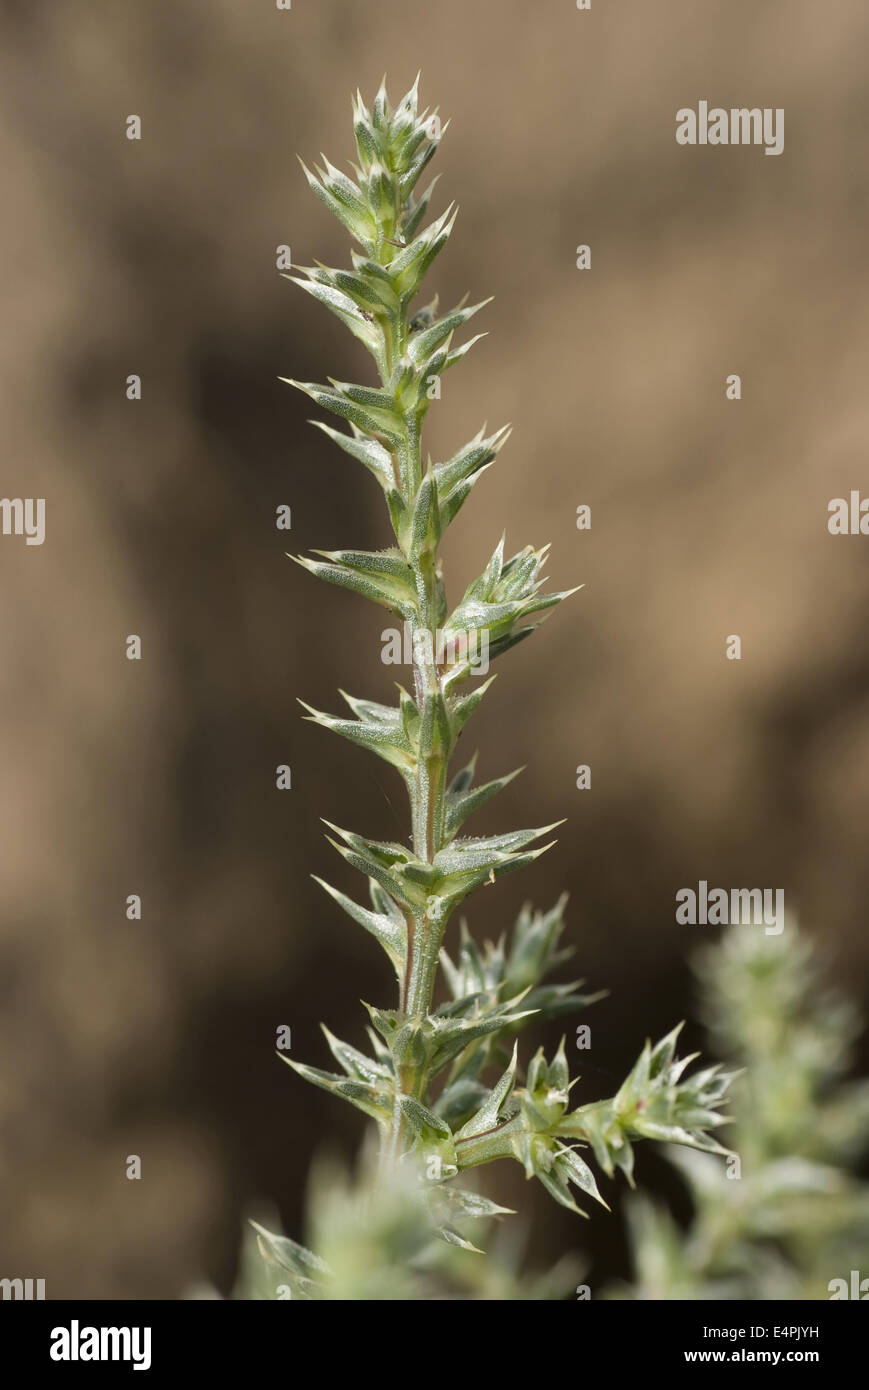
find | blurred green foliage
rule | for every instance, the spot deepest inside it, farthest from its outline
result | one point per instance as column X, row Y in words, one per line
column 790, row 1214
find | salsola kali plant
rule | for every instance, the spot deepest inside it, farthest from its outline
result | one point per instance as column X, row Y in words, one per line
column 790, row 1220
column 443, row 1082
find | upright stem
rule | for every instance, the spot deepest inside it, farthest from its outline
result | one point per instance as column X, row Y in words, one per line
column 425, row 929
column 427, row 798
column 427, row 791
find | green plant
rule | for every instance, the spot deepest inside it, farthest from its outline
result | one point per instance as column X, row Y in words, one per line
column 787, row 1214
column 374, row 1241
column 429, row 1082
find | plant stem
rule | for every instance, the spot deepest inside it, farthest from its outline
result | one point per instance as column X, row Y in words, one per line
column 427, row 798
column 424, row 930
column 427, row 793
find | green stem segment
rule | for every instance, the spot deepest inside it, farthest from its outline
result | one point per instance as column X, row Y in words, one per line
column 427, row 786
column 493, row 1144
column 429, row 782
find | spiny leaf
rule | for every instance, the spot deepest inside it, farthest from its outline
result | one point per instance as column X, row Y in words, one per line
column 411, row 264
column 383, row 576
column 375, row 1101
column 456, row 354
column 368, row 287
column 463, row 708
column 357, row 1066
column 344, row 309
column 304, row 1272
column 377, row 420
column 392, row 935
column 424, row 343
column 344, row 200
column 469, row 1206
column 487, row 1115
column 478, row 453
column 424, row 1122
column 424, row 529
column 387, row 740
column 367, row 451
column 416, row 211
column 450, row 1037
column 409, row 180
column 460, row 804
column 485, row 851
column 453, row 1237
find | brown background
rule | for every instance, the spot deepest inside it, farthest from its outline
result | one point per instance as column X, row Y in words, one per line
column 709, row 518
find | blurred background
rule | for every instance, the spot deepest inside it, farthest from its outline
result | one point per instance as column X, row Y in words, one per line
column 157, row 777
